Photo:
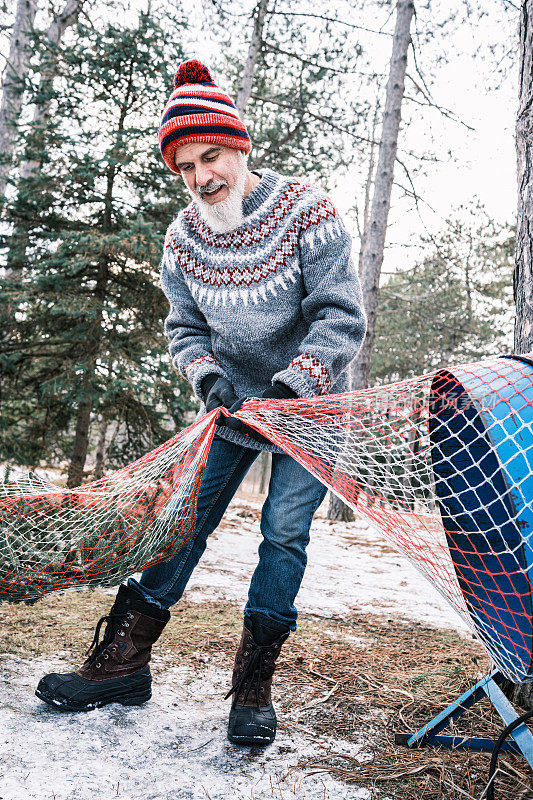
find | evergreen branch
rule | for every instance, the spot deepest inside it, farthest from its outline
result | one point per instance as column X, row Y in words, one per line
column 14, row 348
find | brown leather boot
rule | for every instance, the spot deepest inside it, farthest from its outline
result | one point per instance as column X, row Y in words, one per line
column 116, row 670
column 252, row 719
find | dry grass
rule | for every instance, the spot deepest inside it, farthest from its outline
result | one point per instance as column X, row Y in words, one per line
column 358, row 679
column 406, row 675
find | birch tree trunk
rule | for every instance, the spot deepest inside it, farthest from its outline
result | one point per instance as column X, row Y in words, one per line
column 265, row 472
column 368, row 185
column 17, row 63
column 33, row 156
column 372, row 255
column 337, row 509
column 67, row 17
column 523, row 274
column 245, row 89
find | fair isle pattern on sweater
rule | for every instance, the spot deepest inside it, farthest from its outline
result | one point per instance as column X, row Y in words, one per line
column 189, row 369
column 277, row 299
column 273, row 268
column 316, row 371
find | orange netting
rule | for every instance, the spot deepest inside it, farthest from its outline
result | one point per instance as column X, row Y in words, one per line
column 53, row 538
column 441, row 464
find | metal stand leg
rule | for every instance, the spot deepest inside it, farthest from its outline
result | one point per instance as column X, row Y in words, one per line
column 489, row 686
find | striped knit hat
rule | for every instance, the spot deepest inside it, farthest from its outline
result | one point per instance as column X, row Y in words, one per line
column 198, row 111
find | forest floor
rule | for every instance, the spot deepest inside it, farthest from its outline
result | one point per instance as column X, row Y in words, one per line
column 376, row 651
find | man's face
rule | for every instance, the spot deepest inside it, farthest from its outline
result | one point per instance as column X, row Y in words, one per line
column 216, row 178
column 210, row 171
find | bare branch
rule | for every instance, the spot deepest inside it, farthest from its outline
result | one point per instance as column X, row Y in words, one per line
column 330, row 19
column 444, row 111
column 410, row 193
column 223, row 12
column 419, row 73
column 306, row 112
column 276, row 49
column 415, row 194
column 271, row 150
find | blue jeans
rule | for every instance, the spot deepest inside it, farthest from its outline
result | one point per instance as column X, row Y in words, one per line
column 293, row 497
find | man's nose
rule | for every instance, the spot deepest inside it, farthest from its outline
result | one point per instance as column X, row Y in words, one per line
column 204, row 174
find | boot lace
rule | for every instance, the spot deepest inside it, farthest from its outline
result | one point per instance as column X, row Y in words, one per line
column 252, row 673
column 97, row 648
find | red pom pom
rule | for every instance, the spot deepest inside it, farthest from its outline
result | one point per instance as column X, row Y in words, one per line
column 192, row 71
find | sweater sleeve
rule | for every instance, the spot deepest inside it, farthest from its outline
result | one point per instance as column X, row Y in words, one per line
column 186, row 327
column 332, row 305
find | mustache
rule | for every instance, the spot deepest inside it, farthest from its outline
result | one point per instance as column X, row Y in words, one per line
column 210, row 187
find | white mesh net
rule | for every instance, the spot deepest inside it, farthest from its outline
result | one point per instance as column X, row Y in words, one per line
column 442, row 465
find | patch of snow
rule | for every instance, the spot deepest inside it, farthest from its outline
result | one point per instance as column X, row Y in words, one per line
column 172, row 748
column 175, row 746
column 351, row 568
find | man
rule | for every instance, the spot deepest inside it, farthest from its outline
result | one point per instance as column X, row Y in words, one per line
column 264, row 302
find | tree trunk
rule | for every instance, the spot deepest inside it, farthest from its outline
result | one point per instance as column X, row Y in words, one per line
column 101, row 449
column 265, row 463
column 375, row 225
column 17, row 64
column 368, row 185
column 523, row 274
column 83, row 418
column 374, row 245
column 81, row 440
column 245, row 89
column 67, row 17
column 339, row 511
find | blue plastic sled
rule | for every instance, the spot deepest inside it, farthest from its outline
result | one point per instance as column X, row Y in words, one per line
column 481, row 436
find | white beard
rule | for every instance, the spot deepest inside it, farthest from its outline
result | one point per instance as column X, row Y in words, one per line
column 225, row 215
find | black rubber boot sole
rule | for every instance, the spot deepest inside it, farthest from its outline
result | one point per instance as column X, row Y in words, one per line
column 71, row 692
column 252, row 727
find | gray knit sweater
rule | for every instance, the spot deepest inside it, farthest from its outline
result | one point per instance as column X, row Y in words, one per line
column 276, row 299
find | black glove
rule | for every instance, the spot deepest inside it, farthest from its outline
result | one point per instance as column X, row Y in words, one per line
column 217, row 391
column 279, row 391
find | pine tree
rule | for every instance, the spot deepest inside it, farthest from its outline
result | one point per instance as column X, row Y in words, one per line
column 83, row 333
column 451, row 307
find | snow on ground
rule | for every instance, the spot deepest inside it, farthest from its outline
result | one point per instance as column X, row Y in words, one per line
column 172, row 748
column 175, row 746
column 351, row 567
